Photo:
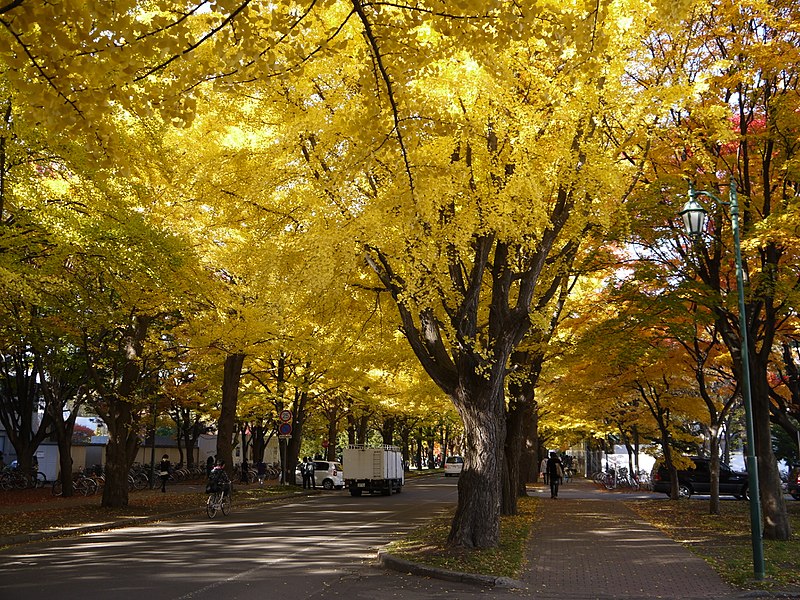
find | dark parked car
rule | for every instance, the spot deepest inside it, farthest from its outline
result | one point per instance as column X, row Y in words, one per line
column 793, row 486
column 698, row 480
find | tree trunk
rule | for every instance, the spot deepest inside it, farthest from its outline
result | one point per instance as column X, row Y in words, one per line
column 259, row 442
column 179, row 442
column 513, row 452
column 387, row 430
column 531, row 455
column 121, row 416
column 773, row 503
column 294, row 443
column 227, row 417
column 65, row 467
column 713, row 505
column 476, row 523
column 333, row 433
column 120, row 453
column 521, row 389
column 673, row 472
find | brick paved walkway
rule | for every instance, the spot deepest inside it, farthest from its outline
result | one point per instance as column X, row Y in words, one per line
column 590, row 546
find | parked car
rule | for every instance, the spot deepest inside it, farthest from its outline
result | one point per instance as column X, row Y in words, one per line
column 453, row 466
column 327, row 473
column 793, row 485
column 697, row 480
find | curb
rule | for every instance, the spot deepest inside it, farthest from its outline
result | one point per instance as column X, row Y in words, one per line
column 404, row 566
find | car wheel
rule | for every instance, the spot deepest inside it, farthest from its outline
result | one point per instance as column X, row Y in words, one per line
column 745, row 493
column 684, row 490
column 327, row 484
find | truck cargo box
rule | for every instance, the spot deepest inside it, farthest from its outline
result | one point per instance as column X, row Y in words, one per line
column 373, row 469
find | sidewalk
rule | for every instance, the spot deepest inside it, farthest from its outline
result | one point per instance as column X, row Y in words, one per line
column 587, row 544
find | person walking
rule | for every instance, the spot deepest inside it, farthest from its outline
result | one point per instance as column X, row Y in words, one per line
column 245, row 475
column 262, row 472
column 312, row 481
column 543, row 469
column 163, row 471
column 304, row 472
column 554, row 473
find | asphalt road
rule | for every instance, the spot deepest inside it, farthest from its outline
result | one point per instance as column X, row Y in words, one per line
column 320, row 547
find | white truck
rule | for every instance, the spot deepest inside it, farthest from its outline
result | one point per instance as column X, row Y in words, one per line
column 373, row 469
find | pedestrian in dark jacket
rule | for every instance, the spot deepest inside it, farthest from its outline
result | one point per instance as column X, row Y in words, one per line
column 262, row 472
column 163, row 471
column 245, row 472
column 209, row 465
column 555, row 473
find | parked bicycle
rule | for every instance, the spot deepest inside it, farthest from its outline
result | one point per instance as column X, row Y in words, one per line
column 81, row 484
column 17, row 479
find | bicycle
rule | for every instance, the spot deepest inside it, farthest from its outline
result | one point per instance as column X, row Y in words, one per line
column 219, row 501
column 81, row 484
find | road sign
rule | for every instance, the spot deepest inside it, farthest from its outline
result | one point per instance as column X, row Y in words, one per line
column 325, row 443
column 286, row 416
column 285, row 429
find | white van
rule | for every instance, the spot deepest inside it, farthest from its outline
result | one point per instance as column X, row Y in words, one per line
column 453, row 465
column 327, row 474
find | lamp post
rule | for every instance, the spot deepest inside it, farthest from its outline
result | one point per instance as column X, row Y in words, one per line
column 694, row 216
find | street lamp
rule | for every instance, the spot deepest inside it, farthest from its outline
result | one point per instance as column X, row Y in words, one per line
column 694, row 216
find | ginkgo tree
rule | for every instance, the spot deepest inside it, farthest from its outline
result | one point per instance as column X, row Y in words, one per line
column 464, row 152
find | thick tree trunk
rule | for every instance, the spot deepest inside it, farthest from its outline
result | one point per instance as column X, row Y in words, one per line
column 476, row 523
column 773, row 503
column 520, row 427
column 232, row 374
column 333, row 433
column 65, row 467
column 387, row 430
column 120, row 453
column 298, row 424
column 513, row 453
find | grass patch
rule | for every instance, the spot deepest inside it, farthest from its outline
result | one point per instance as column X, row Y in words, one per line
column 724, row 540
column 427, row 545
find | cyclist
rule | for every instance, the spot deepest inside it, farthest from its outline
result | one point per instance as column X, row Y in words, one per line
column 218, row 478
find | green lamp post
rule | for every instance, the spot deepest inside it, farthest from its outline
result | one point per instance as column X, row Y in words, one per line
column 694, row 217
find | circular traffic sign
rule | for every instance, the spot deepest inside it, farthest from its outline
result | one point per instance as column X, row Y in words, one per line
column 285, row 429
column 286, row 416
